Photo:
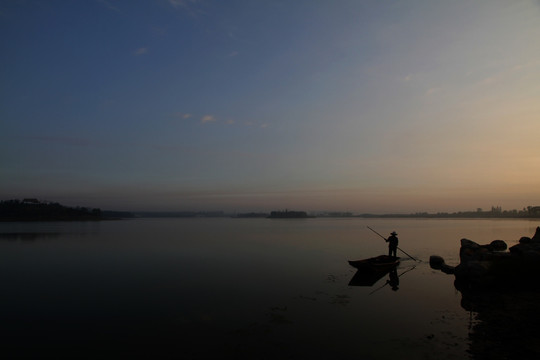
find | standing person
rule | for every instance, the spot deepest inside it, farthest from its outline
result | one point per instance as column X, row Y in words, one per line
column 392, row 244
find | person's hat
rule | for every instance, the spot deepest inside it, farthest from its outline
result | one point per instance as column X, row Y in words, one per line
column 393, row 233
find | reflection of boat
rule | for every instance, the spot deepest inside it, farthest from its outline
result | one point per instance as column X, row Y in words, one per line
column 366, row 278
column 381, row 263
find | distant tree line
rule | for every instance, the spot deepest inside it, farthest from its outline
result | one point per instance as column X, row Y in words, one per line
column 287, row 214
column 495, row 212
column 34, row 210
column 252, row 215
column 179, row 214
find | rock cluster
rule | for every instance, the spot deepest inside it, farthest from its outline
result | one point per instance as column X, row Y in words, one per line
column 437, row 262
column 491, row 264
column 528, row 247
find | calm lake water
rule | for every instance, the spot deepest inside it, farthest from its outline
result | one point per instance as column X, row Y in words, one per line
column 252, row 288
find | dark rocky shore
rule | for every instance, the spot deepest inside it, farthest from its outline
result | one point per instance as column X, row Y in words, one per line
column 492, row 266
column 501, row 290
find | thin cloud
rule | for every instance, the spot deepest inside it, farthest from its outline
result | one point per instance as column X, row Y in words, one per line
column 183, row 3
column 182, row 115
column 192, row 7
column 233, row 54
column 140, row 51
column 159, row 30
column 208, row 118
column 433, row 90
column 177, row 3
column 109, row 6
column 255, row 124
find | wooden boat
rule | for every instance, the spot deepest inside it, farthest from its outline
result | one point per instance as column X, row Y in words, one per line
column 381, row 263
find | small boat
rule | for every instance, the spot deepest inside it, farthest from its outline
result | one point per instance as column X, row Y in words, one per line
column 381, row 263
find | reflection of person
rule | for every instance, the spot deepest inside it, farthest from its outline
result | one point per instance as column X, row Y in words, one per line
column 392, row 244
column 393, row 280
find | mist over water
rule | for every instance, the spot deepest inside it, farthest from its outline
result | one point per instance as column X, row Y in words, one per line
column 254, row 288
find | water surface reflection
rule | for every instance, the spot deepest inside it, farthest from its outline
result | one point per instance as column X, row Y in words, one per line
column 28, row 236
column 503, row 323
column 170, row 288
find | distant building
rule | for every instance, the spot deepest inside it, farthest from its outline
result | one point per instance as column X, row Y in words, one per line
column 496, row 209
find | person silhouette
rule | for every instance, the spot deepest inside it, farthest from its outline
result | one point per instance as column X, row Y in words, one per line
column 392, row 244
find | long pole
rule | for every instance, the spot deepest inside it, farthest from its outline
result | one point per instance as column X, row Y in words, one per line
column 397, row 247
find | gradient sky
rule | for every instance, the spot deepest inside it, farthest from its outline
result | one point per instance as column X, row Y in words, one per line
column 362, row 106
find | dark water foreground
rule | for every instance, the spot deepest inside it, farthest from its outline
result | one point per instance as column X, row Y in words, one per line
column 253, row 289
column 500, row 285
column 505, row 324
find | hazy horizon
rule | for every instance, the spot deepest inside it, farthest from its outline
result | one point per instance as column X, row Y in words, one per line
column 359, row 106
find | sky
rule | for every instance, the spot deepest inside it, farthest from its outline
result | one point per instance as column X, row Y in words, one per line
column 257, row 105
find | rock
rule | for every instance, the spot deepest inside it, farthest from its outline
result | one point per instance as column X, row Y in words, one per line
column 468, row 250
column 536, row 237
column 474, row 272
column 518, row 248
column 525, row 240
column 491, row 266
column 447, row 269
column 498, row 245
column 436, row 262
column 525, row 247
column 531, row 254
column 466, row 243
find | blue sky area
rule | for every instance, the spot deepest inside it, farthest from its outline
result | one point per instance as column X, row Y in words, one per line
column 362, row 106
